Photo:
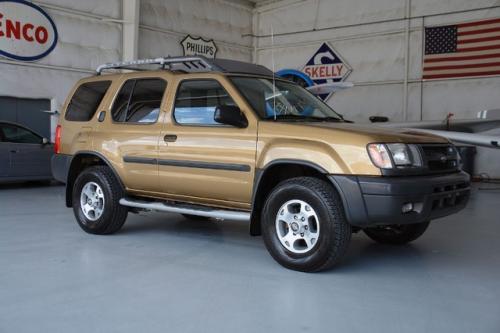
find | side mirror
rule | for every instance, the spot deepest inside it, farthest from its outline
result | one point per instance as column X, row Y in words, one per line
column 230, row 115
column 45, row 141
column 379, row 119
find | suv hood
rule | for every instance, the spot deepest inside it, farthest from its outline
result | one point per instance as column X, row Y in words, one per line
column 378, row 134
column 339, row 148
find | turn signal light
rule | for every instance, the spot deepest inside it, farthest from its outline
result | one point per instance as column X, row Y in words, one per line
column 379, row 155
column 57, row 144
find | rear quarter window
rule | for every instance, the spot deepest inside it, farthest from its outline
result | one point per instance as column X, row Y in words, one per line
column 85, row 101
column 139, row 101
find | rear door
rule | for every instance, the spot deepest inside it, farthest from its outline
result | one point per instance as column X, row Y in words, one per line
column 29, row 156
column 129, row 135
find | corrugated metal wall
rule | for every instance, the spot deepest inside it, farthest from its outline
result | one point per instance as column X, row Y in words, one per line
column 163, row 24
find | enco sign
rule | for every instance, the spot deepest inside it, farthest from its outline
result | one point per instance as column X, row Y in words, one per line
column 27, row 33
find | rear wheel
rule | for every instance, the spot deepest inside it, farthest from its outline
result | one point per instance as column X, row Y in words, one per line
column 96, row 195
column 397, row 233
column 303, row 224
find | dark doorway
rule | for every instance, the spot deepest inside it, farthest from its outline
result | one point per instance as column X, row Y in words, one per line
column 27, row 112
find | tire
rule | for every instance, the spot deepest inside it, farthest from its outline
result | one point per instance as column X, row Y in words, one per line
column 326, row 221
column 397, row 234
column 196, row 217
column 113, row 215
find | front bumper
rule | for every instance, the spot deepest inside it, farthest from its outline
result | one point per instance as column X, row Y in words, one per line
column 370, row 201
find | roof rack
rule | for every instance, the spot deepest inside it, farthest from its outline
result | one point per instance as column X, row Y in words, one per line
column 186, row 64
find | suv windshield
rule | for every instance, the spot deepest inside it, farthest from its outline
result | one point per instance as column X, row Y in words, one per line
column 287, row 101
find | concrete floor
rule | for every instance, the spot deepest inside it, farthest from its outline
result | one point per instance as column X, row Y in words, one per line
column 166, row 274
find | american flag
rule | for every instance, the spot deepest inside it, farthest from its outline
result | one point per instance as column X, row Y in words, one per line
column 460, row 50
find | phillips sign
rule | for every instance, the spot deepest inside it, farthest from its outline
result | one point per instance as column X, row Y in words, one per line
column 27, row 32
column 326, row 66
column 199, row 46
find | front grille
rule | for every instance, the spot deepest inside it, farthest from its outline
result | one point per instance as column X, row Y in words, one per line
column 439, row 158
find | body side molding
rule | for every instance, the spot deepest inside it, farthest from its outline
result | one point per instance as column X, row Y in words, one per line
column 189, row 164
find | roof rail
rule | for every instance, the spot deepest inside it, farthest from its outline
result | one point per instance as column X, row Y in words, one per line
column 186, row 64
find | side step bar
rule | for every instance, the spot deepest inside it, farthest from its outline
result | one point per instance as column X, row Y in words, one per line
column 185, row 209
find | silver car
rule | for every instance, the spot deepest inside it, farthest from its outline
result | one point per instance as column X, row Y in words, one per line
column 24, row 155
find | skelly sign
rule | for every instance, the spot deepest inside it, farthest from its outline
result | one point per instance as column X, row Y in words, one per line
column 325, row 66
column 27, row 32
column 199, row 46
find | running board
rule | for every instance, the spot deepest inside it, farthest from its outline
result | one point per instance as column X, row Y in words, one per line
column 184, row 209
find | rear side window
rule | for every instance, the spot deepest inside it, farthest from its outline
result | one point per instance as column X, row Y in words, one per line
column 86, row 100
column 17, row 134
column 139, row 101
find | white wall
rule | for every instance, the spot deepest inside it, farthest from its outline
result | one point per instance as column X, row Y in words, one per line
column 90, row 33
column 86, row 39
column 371, row 37
column 163, row 24
column 382, row 41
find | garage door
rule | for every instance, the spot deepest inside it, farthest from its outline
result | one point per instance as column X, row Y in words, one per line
column 27, row 112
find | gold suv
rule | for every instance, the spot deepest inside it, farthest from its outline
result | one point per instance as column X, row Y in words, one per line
column 227, row 140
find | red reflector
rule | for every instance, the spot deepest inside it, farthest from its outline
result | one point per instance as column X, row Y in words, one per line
column 57, row 144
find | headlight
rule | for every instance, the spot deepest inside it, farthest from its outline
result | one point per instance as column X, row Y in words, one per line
column 388, row 156
column 400, row 154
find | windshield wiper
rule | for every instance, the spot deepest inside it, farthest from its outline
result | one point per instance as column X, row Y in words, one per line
column 334, row 119
column 304, row 118
column 293, row 117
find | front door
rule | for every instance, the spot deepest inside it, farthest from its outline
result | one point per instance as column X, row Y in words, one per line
column 4, row 158
column 200, row 160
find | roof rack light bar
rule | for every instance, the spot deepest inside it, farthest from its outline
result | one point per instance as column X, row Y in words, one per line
column 187, row 64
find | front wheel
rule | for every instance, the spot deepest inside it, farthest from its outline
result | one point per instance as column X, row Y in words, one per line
column 96, row 195
column 303, row 224
column 397, row 234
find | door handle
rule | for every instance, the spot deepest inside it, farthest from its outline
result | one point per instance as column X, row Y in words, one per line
column 170, row 138
column 14, row 151
column 101, row 116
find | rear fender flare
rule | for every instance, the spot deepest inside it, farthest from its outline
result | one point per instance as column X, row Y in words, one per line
column 72, row 175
